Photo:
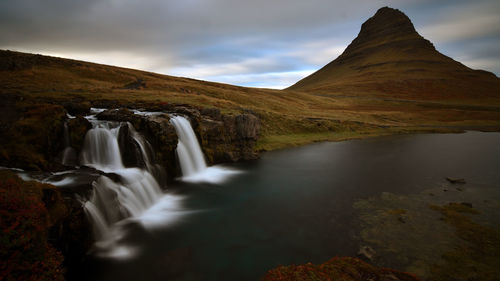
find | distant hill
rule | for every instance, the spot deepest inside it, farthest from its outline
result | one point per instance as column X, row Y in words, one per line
column 389, row 80
column 389, row 58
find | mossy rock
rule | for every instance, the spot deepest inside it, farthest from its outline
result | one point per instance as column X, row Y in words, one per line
column 33, row 141
column 338, row 268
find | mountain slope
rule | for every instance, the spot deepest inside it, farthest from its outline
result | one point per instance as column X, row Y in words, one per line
column 389, row 58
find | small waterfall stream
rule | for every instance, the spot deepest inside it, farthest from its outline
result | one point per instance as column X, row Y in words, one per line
column 191, row 159
column 131, row 191
column 188, row 149
column 69, row 154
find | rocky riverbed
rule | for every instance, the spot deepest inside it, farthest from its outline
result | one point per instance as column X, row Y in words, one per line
column 449, row 232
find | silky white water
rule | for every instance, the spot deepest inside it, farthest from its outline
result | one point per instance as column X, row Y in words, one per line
column 69, row 153
column 191, row 159
column 129, row 193
column 189, row 152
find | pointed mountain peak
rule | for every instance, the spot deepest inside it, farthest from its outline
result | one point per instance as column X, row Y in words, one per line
column 389, row 57
column 386, row 27
column 387, row 21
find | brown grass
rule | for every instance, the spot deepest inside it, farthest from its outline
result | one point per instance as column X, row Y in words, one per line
column 288, row 117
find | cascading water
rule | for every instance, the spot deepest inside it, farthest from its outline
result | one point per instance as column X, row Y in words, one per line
column 130, row 194
column 191, row 159
column 188, row 149
column 69, row 153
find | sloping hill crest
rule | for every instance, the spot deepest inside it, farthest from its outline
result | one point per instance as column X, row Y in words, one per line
column 390, row 58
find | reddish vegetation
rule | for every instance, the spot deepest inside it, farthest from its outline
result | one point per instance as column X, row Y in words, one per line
column 25, row 252
column 345, row 269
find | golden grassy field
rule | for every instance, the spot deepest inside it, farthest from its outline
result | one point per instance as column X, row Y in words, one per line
column 288, row 117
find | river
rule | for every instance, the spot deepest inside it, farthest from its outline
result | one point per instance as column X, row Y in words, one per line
column 290, row 206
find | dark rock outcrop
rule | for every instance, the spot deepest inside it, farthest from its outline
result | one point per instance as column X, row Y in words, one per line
column 71, row 233
column 33, row 141
column 227, row 138
column 118, row 114
column 161, row 134
column 77, row 128
column 158, row 132
column 223, row 138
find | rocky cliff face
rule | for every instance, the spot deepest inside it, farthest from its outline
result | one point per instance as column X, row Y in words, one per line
column 223, row 138
column 228, row 138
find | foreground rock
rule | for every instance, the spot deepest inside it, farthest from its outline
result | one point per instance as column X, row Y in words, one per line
column 345, row 268
column 39, row 226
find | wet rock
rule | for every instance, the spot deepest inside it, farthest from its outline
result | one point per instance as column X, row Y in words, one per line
column 186, row 110
column 118, row 114
column 230, row 139
column 77, row 128
column 130, row 150
column 455, row 180
column 223, row 138
column 72, row 233
column 403, row 218
column 366, row 252
column 467, row 204
column 162, row 136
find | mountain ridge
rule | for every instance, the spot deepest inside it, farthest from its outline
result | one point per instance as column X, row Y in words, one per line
column 366, row 100
column 389, row 57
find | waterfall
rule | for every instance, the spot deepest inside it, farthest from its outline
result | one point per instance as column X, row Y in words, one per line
column 100, row 148
column 69, row 153
column 131, row 191
column 188, row 149
column 191, row 159
column 145, row 154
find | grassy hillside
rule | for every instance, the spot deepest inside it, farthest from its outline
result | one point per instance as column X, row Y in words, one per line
column 288, row 117
column 390, row 59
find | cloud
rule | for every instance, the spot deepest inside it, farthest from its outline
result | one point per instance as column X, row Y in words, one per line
column 226, row 39
column 463, row 28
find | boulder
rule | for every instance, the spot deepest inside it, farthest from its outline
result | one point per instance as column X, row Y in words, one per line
column 230, row 139
column 366, row 252
column 455, row 180
column 162, row 136
column 118, row 114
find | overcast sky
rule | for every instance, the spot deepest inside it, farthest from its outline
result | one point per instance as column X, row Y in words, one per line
column 257, row 43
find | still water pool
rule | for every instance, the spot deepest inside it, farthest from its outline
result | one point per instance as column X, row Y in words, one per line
column 291, row 206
